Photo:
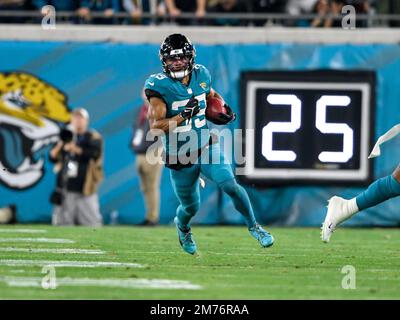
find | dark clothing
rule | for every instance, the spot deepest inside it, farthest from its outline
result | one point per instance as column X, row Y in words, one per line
column 186, row 6
column 74, row 181
column 59, row 5
column 141, row 127
column 174, row 163
column 152, row 93
column 238, row 8
column 267, row 6
column 101, row 5
column 360, row 6
column 13, row 5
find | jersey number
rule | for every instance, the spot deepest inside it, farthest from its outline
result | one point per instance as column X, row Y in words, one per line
column 198, row 123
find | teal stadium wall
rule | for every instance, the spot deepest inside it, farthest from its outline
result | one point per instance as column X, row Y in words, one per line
column 107, row 78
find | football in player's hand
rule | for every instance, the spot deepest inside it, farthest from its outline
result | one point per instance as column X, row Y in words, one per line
column 216, row 111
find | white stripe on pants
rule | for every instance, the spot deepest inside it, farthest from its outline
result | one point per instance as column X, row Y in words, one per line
column 78, row 209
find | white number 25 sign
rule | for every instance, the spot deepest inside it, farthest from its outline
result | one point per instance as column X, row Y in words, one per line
column 321, row 124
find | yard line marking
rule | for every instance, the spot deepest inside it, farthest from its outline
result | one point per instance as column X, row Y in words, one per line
column 120, row 283
column 266, row 254
column 68, row 263
column 208, row 252
column 219, row 266
column 22, row 231
column 17, row 271
column 51, row 250
column 46, row 240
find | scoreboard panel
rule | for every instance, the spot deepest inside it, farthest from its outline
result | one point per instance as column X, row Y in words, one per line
column 307, row 127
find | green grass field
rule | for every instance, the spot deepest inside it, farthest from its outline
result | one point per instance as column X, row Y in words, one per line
column 230, row 264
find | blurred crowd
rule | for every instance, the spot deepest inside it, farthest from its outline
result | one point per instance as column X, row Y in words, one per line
column 202, row 12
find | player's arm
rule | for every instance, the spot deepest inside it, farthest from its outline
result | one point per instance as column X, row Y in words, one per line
column 158, row 112
column 157, row 116
column 230, row 116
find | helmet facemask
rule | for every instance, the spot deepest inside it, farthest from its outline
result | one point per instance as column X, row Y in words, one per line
column 173, row 48
column 178, row 73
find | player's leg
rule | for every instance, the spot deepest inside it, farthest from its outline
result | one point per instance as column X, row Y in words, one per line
column 239, row 198
column 380, row 191
column 242, row 204
column 340, row 209
column 222, row 174
column 185, row 183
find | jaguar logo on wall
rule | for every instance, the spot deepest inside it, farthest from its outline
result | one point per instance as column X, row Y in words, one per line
column 31, row 113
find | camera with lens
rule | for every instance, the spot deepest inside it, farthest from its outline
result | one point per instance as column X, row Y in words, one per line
column 66, row 135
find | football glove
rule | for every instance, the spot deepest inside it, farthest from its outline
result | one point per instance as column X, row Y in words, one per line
column 225, row 118
column 191, row 109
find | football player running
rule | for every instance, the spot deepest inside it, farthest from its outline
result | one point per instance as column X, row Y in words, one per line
column 178, row 98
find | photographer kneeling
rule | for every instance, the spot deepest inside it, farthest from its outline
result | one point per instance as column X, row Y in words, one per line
column 78, row 157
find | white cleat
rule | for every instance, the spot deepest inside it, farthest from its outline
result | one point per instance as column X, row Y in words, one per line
column 338, row 211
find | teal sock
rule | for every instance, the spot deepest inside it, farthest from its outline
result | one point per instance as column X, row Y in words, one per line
column 240, row 200
column 379, row 191
column 185, row 214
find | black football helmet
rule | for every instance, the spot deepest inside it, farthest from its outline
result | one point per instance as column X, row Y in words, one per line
column 177, row 45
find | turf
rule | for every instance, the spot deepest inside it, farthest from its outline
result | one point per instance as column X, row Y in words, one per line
column 230, row 264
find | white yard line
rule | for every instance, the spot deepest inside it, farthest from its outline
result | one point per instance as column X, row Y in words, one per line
column 205, row 252
column 17, row 271
column 68, row 263
column 45, row 240
column 22, row 230
column 119, row 283
column 52, row 250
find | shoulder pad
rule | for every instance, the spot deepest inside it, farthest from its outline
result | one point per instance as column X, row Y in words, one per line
column 156, row 81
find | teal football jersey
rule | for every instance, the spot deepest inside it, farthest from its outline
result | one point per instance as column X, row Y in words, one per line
column 191, row 134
